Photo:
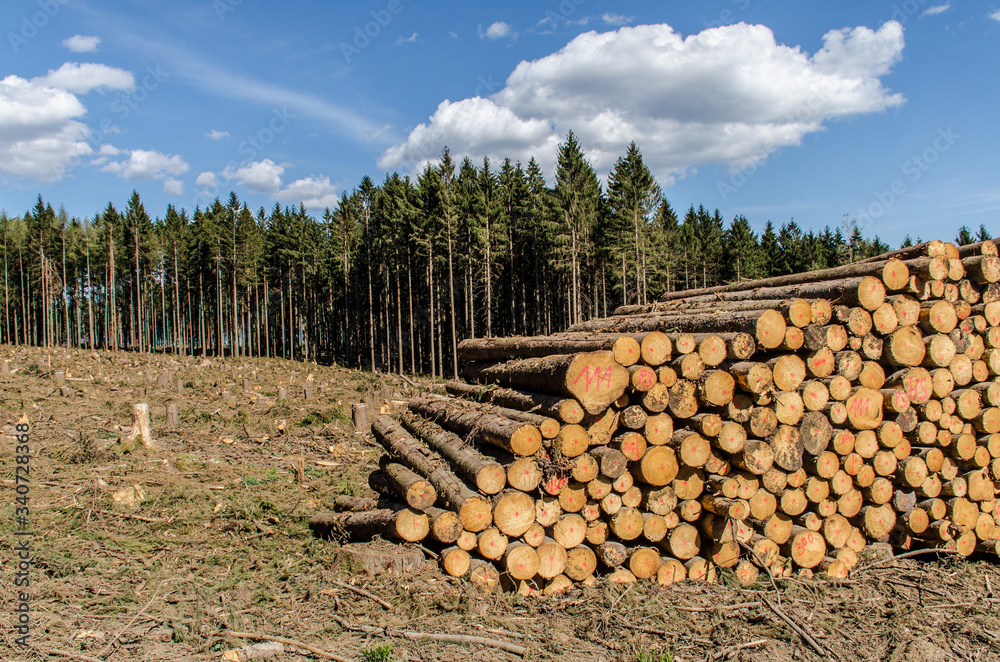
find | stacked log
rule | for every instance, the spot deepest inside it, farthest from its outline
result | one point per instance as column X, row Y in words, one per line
column 773, row 426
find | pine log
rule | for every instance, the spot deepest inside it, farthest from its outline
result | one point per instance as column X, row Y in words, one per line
column 571, row 530
column 488, row 476
column 894, row 273
column 625, row 348
column 521, row 561
column 399, row 481
column 594, row 379
column 566, row 410
column 393, row 523
column 455, row 561
column 518, row 438
column 475, row 512
column 767, row 327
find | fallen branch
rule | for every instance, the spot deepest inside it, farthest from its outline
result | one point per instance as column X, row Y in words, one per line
column 359, row 591
column 288, row 642
column 740, row 605
column 798, row 629
column 141, row 518
column 111, row 643
column 75, row 656
column 726, row 652
column 410, row 381
column 450, row 638
column 905, row 555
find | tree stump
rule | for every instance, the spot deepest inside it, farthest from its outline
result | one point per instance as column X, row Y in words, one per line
column 60, row 378
column 359, row 413
column 173, row 417
column 140, row 425
column 282, row 396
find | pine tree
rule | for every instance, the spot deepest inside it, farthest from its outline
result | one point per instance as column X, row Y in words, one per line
column 633, row 195
column 741, row 260
column 578, row 196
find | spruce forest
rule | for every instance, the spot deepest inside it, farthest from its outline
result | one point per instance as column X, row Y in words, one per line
column 393, row 276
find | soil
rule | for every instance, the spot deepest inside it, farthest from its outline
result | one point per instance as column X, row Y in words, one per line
column 159, row 554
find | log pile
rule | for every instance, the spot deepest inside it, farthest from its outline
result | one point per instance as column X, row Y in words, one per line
column 774, row 426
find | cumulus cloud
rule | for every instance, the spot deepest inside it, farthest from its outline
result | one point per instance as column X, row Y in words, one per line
column 41, row 135
column 728, row 95
column 83, row 78
column 82, row 44
column 315, row 192
column 498, row 30
column 258, row 176
column 995, row 15
column 173, row 186
column 611, row 18
column 935, row 10
column 146, row 165
column 217, row 135
column 206, row 179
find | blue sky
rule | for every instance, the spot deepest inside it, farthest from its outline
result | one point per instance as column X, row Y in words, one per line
column 885, row 112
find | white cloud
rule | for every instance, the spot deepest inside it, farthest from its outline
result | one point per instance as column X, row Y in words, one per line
column 173, row 186
column 82, row 44
column 258, row 176
column 206, row 179
column 611, row 18
column 406, row 40
column 378, row 134
column 497, row 31
column 728, row 95
column 217, row 135
column 995, row 15
column 40, row 136
column 145, row 165
column 109, row 150
column 82, row 78
column 315, row 192
column 936, row 9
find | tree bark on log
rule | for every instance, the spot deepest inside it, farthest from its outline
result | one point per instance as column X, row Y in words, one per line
column 475, row 512
column 464, row 418
column 392, row 523
column 594, row 379
column 566, row 410
column 767, row 327
column 890, row 271
column 626, row 348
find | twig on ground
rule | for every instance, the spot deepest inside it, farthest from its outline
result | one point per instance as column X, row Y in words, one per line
column 798, row 629
column 740, row 605
column 905, row 555
column 900, row 582
column 760, row 562
column 111, row 643
column 409, row 381
column 75, row 656
column 141, row 518
column 450, row 638
column 287, row 642
column 725, row 652
column 359, row 591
